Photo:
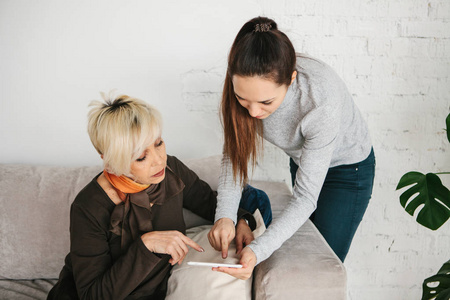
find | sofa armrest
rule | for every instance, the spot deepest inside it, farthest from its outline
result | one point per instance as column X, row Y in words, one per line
column 304, row 267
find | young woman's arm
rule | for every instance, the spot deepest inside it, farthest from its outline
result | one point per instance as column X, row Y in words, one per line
column 319, row 128
column 229, row 194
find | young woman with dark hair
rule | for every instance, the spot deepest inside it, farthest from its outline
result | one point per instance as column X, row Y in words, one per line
column 299, row 104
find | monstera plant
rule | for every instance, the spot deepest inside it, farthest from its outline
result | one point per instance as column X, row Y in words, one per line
column 427, row 191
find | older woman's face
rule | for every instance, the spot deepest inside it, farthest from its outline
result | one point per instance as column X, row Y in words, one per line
column 150, row 167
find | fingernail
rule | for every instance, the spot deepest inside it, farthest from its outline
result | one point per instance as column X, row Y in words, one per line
column 202, row 250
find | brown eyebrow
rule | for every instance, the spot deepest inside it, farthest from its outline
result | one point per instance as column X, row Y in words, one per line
column 258, row 101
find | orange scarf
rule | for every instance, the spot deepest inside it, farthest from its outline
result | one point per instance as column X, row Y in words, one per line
column 124, row 185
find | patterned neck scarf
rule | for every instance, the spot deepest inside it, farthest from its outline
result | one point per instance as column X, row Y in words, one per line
column 134, row 216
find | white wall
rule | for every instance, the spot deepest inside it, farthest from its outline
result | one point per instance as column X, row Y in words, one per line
column 55, row 56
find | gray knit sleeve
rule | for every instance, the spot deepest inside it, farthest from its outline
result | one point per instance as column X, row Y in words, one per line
column 319, row 129
column 229, row 193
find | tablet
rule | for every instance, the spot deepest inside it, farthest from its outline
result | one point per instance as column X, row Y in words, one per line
column 216, row 265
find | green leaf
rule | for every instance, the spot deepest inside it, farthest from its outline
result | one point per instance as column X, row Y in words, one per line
column 438, row 286
column 425, row 190
column 444, row 295
column 447, row 122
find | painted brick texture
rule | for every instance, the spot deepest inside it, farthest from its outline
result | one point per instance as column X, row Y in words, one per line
column 395, row 58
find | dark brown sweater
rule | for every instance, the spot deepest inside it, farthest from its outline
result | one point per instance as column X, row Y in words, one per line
column 101, row 266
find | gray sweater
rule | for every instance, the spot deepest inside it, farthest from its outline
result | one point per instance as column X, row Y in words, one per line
column 318, row 126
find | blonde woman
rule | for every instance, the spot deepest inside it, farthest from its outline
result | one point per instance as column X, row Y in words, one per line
column 126, row 225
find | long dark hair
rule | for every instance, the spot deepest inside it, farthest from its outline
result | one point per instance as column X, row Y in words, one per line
column 259, row 49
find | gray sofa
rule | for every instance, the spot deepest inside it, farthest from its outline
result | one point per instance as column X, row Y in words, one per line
column 34, row 236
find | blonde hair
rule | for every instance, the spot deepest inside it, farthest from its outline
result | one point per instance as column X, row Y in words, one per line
column 120, row 128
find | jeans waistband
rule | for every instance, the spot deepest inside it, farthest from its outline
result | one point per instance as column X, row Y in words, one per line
column 369, row 160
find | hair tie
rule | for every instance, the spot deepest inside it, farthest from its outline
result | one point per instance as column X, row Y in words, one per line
column 262, row 27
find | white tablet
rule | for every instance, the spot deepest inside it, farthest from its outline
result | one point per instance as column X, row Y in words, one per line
column 216, row 265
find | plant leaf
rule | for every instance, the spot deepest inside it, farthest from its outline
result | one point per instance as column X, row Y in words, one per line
column 447, row 122
column 444, row 295
column 428, row 188
column 438, row 286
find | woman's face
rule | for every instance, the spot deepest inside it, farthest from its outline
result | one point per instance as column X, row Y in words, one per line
column 150, row 167
column 260, row 96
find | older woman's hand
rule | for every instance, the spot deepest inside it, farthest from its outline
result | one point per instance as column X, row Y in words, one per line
column 172, row 242
column 248, row 262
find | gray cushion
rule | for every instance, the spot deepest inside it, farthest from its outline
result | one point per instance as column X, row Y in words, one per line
column 304, row 267
column 34, row 217
column 25, row 289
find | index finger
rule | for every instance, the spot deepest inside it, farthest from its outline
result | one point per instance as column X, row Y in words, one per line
column 224, row 243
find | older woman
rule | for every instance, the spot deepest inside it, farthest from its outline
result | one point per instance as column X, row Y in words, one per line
column 126, row 225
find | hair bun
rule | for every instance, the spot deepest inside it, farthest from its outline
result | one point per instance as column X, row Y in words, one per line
column 262, row 27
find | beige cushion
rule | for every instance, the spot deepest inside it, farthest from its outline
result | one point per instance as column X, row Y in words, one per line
column 207, row 168
column 193, row 282
column 34, row 217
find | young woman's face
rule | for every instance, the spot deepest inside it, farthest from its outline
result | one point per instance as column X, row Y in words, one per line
column 260, row 96
column 150, row 167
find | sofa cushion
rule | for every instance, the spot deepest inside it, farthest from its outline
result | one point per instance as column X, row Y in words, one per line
column 193, row 282
column 303, row 264
column 34, row 219
column 25, row 289
column 207, row 168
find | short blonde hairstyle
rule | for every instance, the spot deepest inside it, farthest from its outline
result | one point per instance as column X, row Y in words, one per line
column 120, row 128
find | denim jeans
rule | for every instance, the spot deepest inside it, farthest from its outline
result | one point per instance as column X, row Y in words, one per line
column 253, row 199
column 342, row 202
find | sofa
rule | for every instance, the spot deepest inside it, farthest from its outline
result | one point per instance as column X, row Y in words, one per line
column 34, row 235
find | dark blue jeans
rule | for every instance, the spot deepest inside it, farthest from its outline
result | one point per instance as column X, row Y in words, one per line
column 342, row 202
column 253, row 199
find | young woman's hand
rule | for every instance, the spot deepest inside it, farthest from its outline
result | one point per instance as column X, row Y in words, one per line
column 221, row 235
column 172, row 242
column 244, row 235
column 248, row 262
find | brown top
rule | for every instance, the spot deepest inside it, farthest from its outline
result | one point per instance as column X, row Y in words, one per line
column 107, row 258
